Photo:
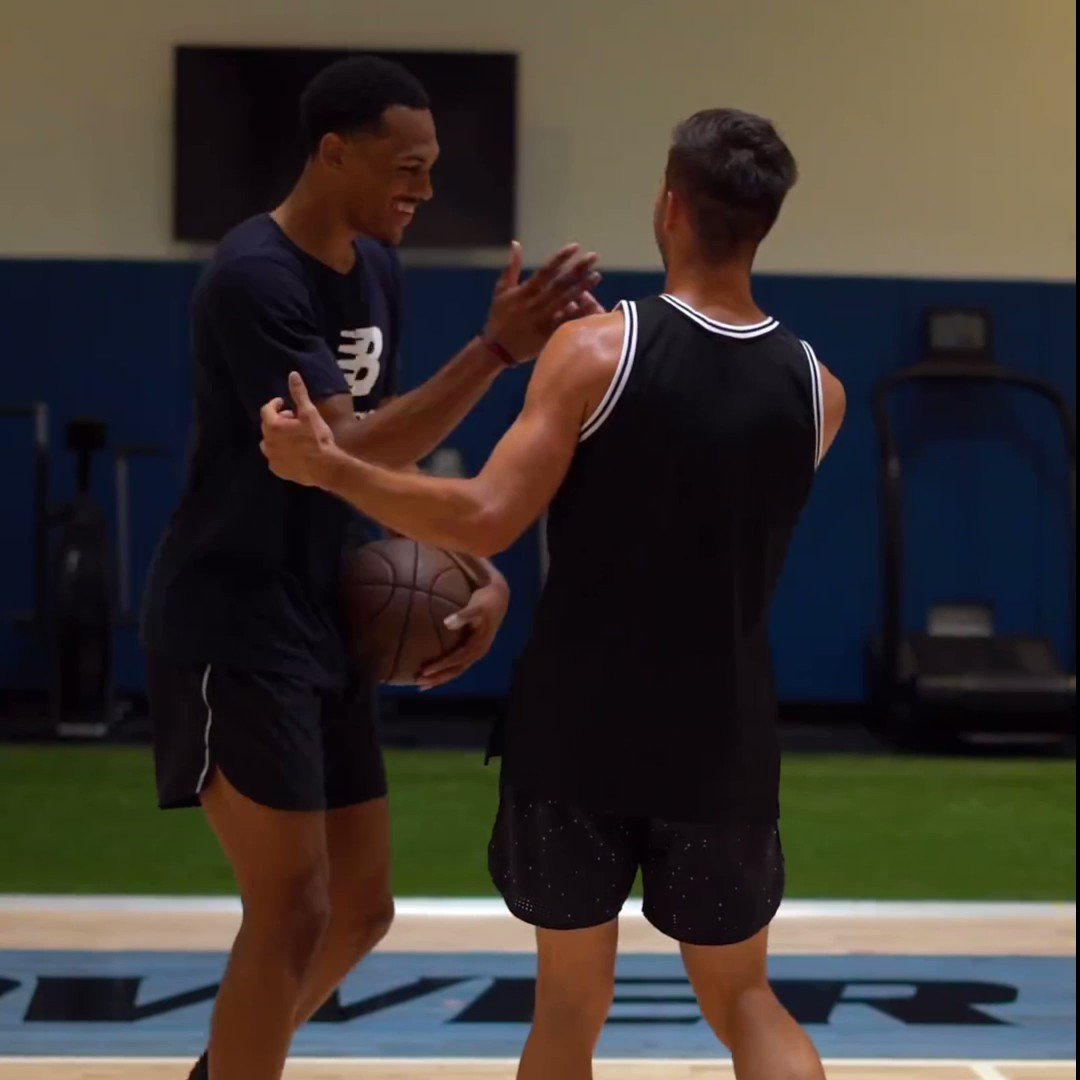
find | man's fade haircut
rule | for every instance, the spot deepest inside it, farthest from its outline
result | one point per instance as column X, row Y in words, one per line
column 734, row 171
column 351, row 96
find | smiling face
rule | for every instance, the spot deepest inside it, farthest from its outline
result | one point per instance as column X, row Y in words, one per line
column 382, row 177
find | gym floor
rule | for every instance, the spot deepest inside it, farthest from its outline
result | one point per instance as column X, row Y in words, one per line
column 929, row 991
column 912, row 973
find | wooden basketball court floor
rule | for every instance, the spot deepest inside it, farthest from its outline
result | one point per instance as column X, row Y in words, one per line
column 802, row 930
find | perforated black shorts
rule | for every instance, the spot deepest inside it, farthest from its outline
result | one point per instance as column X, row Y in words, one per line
column 560, row 867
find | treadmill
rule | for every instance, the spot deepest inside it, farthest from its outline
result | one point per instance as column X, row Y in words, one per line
column 958, row 676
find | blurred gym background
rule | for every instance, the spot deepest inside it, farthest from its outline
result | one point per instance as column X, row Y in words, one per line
column 925, row 630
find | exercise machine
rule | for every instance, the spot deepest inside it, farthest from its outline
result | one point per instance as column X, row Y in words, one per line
column 959, row 674
column 82, row 589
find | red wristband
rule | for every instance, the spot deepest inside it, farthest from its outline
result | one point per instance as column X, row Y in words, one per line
column 499, row 352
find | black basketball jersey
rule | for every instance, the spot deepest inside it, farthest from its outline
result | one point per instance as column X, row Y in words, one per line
column 646, row 687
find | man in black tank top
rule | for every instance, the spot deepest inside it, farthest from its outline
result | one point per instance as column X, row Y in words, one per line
column 675, row 441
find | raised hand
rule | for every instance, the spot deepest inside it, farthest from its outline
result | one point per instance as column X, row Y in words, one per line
column 524, row 314
column 295, row 443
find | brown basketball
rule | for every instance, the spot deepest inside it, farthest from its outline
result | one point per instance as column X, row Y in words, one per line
column 397, row 594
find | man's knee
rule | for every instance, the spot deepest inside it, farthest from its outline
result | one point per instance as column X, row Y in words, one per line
column 359, row 926
column 289, row 915
column 742, row 1007
column 578, row 1003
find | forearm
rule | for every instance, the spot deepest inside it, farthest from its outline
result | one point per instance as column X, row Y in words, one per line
column 451, row 514
column 479, row 571
column 413, row 425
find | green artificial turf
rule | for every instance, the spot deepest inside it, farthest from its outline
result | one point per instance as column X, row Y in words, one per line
column 83, row 820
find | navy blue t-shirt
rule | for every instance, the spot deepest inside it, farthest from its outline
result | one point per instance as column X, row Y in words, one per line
column 246, row 573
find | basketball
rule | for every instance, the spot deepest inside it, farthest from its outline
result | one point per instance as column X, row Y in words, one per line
column 397, row 594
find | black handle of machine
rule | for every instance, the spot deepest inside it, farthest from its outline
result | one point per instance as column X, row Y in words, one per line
column 38, row 413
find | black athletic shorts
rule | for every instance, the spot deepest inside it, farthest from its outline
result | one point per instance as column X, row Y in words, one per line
column 278, row 740
column 563, row 868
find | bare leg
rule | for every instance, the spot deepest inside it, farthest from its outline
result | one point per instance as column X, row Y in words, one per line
column 280, row 862
column 361, row 902
column 732, row 987
column 574, row 990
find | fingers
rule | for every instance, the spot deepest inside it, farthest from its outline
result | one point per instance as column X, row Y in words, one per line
column 465, row 655
column 511, row 275
column 581, row 277
column 298, row 391
column 551, row 270
column 425, row 684
column 458, row 660
column 451, row 666
column 274, row 415
column 268, row 413
column 581, row 306
column 589, row 305
column 577, row 278
column 467, row 616
column 569, row 313
column 472, row 648
column 523, row 317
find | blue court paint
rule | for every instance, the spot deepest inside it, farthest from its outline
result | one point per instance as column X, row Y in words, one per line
column 477, row 1005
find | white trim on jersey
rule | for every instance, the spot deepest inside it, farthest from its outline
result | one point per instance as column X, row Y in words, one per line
column 206, row 732
column 818, row 401
column 622, row 372
column 726, row 329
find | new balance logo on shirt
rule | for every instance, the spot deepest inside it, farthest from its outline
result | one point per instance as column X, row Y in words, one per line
column 359, row 356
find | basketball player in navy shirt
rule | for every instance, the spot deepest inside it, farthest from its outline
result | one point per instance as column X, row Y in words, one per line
column 676, row 440
column 257, row 715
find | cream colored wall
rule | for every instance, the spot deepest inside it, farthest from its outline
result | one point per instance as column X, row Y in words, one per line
column 935, row 137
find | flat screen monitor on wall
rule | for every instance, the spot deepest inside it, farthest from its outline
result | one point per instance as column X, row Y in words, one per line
column 237, row 147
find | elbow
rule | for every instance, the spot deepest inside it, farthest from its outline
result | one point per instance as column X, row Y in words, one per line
column 487, row 534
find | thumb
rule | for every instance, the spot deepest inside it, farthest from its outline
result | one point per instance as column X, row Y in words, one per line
column 511, row 276
column 467, row 616
column 299, row 392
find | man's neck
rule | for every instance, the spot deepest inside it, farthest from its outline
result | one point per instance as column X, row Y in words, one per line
column 722, row 292
column 311, row 222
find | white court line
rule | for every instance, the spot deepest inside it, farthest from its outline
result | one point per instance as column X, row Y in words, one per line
column 987, row 1072
column 418, row 907
column 421, row 1062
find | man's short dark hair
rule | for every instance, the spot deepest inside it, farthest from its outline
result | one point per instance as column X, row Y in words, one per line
column 350, row 96
column 734, row 170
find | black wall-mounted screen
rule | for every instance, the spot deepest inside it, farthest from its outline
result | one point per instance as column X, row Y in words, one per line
column 237, row 148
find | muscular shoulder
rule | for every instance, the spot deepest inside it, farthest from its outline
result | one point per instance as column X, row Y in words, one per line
column 584, row 354
column 577, row 365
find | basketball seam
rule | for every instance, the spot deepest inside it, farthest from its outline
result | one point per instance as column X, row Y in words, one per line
column 408, row 613
column 441, row 574
column 390, row 585
column 370, row 551
column 376, row 614
column 419, row 592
